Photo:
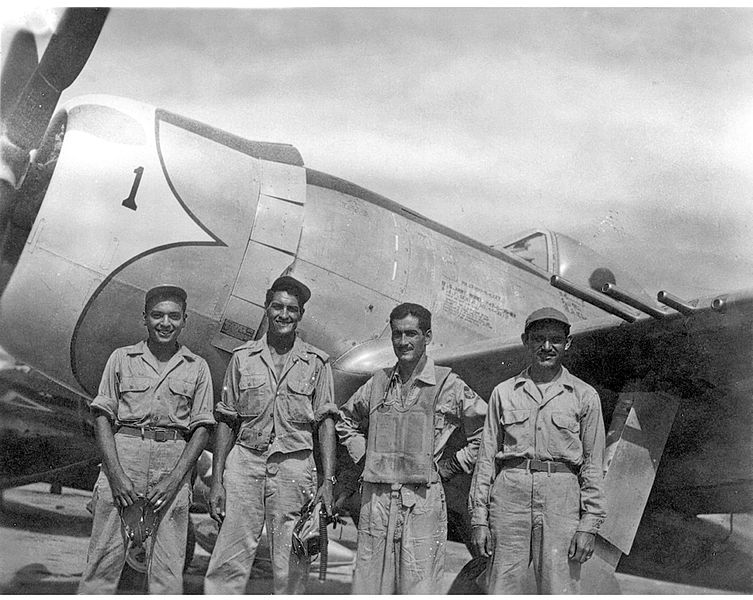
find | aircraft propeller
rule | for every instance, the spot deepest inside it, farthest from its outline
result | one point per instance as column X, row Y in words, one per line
column 18, row 68
column 29, row 95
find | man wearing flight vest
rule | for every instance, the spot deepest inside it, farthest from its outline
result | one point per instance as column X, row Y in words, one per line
column 397, row 426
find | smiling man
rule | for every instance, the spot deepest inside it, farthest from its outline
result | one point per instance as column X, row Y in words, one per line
column 398, row 426
column 152, row 417
column 537, row 489
column 276, row 391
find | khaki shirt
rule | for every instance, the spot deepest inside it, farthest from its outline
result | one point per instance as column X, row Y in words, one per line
column 277, row 414
column 133, row 392
column 458, row 408
column 564, row 425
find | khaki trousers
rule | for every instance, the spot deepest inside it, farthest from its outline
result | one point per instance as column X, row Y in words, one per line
column 402, row 538
column 146, row 462
column 533, row 517
column 261, row 489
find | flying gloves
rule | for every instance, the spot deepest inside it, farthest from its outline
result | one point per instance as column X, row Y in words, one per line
column 449, row 467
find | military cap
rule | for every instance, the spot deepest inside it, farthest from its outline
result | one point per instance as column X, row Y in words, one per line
column 165, row 291
column 546, row 314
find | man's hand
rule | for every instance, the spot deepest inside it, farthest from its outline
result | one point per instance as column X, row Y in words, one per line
column 326, row 494
column 217, row 502
column 481, row 541
column 163, row 493
column 581, row 546
column 123, row 491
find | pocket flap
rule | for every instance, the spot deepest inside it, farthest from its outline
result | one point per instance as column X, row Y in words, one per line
column 305, row 387
column 134, row 384
column 180, row 387
column 248, row 382
column 565, row 421
column 515, row 416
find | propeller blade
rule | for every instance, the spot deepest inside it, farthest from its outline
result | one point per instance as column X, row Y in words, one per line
column 65, row 57
column 18, row 68
column 26, row 120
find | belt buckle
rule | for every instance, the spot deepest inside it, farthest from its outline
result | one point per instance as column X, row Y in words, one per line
column 161, row 436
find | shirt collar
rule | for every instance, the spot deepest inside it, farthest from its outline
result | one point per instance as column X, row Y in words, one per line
column 425, row 373
column 257, row 346
column 141, row 348
column 565, row 379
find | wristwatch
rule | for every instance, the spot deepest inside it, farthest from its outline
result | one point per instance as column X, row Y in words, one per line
column 332, row 479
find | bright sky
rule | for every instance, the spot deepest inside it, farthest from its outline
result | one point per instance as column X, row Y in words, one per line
column 630, row 129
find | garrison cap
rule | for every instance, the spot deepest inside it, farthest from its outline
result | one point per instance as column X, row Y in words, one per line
column 286, row 282
column 546, row 314
column 165, row 291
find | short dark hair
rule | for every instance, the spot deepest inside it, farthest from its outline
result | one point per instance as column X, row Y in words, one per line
column 407, row 309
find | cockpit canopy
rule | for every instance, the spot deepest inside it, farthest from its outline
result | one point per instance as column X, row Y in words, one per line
column 559, row 254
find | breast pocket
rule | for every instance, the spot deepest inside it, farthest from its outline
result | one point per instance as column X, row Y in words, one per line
column 181, row 394
column 516, row 425
column 253, row 392
column 564, row 437
column 134, row 401
column 300, row 399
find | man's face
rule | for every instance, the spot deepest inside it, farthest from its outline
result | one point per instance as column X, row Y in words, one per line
column 164, row 321
column 283, row 313
column 546, row 342
column 408, row 341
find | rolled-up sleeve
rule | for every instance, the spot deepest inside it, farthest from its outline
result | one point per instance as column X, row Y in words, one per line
column 324, row 397
column 472, row 415
column 203, row 398
column 354, row 422
column 591, row 477
column 485, row 471
column 225, row 409
column 108, row 393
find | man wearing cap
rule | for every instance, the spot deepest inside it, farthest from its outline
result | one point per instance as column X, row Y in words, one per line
column 277, row 391
column 152, row 417
column 413, row 427
column 537, row 491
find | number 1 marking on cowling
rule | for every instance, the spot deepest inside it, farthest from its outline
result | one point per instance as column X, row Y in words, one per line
column 130, row 202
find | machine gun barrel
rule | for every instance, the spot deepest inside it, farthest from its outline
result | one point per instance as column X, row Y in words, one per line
column 591, row 297
column 613, row 291
column 677, row 303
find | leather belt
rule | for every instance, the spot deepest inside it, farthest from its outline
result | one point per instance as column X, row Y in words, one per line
column 531, row 464
column 158, row 434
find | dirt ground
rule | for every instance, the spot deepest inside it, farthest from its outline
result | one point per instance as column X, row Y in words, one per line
column 45, row 538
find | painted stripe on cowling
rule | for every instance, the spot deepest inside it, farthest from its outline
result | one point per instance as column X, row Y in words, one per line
column 217, row 242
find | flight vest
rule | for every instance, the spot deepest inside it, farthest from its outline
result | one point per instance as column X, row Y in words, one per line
column 400, row 444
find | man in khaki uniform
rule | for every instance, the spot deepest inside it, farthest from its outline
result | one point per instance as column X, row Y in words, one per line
column 397, row 426
column 152, row 417
column 276, row 391
column 537, row 490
